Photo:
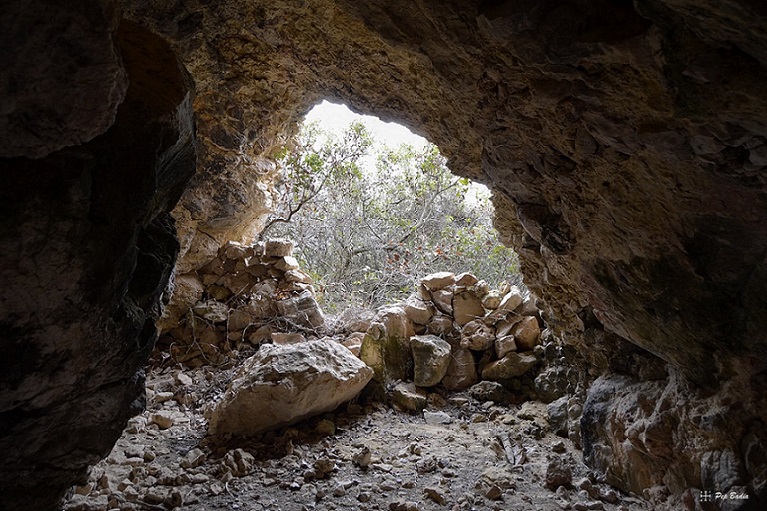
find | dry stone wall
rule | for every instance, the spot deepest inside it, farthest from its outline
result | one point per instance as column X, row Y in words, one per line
column 246, row 295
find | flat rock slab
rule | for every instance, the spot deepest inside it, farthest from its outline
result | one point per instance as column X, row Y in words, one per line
column 282, row 385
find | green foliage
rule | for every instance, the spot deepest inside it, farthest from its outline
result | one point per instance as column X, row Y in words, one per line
column 370, row 236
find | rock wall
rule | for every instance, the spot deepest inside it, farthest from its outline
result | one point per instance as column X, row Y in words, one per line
column 624, row 142
column 86, row 246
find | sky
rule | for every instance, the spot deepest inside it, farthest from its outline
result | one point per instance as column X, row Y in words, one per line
column 335, row 118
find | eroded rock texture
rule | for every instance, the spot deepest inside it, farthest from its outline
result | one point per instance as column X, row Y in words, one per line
column 624, row 141
column 86, row 250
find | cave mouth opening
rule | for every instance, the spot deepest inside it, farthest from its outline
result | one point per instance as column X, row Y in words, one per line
column 373, row 208
column 265, row 388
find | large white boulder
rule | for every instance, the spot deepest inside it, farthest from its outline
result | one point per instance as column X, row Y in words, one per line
column 281, row 385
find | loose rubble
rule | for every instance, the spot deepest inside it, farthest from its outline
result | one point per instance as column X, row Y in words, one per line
column 258, row 401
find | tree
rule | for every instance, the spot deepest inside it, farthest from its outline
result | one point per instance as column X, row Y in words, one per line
column 369, row 236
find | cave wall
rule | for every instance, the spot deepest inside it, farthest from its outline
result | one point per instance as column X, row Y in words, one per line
column 624, row 143
column 87, row 244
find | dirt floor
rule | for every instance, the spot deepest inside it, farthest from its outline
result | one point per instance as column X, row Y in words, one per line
column 459, row 454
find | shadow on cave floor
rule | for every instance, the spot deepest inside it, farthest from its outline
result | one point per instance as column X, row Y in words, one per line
column 461, row 452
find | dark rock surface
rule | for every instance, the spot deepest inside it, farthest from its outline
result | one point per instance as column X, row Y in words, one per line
column 624, row 142
column 86, row 250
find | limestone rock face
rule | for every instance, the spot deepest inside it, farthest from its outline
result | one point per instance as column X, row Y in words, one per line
column 624, row 144
column 281, row 385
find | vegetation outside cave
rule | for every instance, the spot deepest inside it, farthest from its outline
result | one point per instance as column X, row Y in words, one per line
column 370, row 220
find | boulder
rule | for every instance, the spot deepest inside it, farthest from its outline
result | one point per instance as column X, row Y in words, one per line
column 527, row 333
column 511, row 300
column 386, row 345
column 462, row 371
column 511, row 366
column 407, row 396
column 439, row 280
column 431, row 357
column 418, row 311
column 440, row 325
column 281, row 385
column 491, row 300
column 505, row 345
column 287, row 263
column 278, row 248
column 489, row 391
column 467, row 307
column 476, row 335
column 302, row 311
column 465, row 280
column 355, row 319
column 443, row 300
column 213, row 311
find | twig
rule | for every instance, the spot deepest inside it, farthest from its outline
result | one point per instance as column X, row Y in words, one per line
column 515, row 455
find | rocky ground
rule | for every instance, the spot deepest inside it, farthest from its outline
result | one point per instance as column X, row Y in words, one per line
column 462, row 452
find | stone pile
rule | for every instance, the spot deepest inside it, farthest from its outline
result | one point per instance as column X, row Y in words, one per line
column 455, row 331
column 246, row 295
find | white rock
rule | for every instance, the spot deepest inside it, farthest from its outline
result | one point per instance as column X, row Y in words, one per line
column 299, row 276
column 511, row 300
column 281, row 385
column 439, row 280
column 287, row 263
column 419, row 311
column 505, row 345
column 431, row 358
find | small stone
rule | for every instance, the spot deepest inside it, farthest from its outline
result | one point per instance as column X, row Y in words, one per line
column 174, row 500
column 558, row 473
column 163, row 420
column 558, row 447
column 408, row 397
column 184, row 379
column 364, row 496
column 494, row 493
column 435, row 495
column 362, row 457
column 193, row 458
column 436, row 418
column 325, row 427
